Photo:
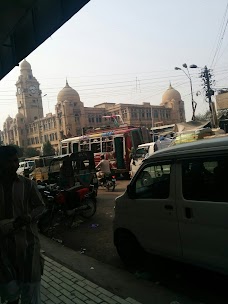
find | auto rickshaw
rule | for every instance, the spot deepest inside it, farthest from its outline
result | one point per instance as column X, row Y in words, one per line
column 75, row 170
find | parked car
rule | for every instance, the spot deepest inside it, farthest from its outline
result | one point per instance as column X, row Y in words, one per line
column 25, row 168
column 177, row 206
column 145, row 150
column 20, row 169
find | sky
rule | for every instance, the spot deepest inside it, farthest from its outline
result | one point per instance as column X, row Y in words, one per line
column 125, row 52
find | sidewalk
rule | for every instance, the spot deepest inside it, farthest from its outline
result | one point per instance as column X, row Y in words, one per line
column 70, row 277
column 62, row 285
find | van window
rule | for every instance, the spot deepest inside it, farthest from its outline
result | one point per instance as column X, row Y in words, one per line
column 205, row 179
column 153, row 182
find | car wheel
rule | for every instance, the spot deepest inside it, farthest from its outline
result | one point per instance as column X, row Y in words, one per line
column 129, row 249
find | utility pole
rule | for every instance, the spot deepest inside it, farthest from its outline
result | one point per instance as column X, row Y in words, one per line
column 207, row 82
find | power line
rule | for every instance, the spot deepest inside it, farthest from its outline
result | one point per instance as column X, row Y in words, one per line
column 221, row 35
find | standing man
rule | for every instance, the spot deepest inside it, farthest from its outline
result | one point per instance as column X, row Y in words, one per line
column 21, row 205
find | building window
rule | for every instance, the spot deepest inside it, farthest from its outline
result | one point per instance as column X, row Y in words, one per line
column 55, row 136
column 155, row 113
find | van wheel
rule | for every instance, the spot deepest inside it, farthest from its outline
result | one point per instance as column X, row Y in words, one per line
column 129, row 249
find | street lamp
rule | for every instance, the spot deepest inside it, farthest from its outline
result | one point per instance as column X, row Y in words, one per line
column 192, row 66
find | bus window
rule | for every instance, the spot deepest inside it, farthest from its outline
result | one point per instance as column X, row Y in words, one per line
column 69, row 148
column 64, row 150
column 107, row 146
column 75, row 147
column 84, row 147
column 95, row 145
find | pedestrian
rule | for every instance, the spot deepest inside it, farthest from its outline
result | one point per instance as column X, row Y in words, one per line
column 21, row 264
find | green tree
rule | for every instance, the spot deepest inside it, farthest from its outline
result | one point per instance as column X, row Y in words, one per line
column 48, row 149
column 30, row 152
column 203, row 117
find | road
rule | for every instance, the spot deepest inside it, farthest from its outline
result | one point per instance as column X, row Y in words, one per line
column 94, row 238
column 95, row 234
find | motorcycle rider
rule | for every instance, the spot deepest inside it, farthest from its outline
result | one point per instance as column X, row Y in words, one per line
column 104, row 166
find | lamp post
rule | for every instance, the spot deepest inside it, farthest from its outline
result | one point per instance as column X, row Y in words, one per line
column 194, row 104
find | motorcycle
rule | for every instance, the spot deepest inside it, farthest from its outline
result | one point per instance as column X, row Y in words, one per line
column 108, row 181
column 62, row 206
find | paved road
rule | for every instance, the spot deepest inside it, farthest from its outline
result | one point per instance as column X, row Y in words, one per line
column 95, row 235
column 190, row 281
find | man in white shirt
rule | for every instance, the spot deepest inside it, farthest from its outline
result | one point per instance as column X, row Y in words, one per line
column 104, row 166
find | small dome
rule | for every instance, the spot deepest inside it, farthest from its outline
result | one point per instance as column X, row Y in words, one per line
column 9, row 118
column 69, row 94
column 171, row 94
column 25, row 65
column 19, row 115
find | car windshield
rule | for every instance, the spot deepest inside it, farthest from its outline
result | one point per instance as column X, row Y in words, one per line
column 141, row 153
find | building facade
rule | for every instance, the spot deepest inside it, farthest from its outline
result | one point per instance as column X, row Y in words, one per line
column 222, row 100
column 30, row 128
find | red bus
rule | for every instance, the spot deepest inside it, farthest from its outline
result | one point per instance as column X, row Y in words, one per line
column 115, row 144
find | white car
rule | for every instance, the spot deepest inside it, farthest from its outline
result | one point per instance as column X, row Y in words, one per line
column 145, row 150
column 20, row 169
column 142, row 152
column 25, row 166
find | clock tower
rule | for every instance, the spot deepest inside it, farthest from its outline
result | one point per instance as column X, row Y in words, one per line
column 29, row 100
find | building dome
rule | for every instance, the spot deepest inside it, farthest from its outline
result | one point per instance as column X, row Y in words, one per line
column 69, row 94
column 25, row 65
column 170, row 94
column 19, row 115
column 9, row 118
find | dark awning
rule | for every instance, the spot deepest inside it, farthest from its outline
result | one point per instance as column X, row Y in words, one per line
column 25, row 24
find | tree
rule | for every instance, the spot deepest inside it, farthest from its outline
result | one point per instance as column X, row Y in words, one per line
column 203, row 117
column 30, row 152
column 48, row 149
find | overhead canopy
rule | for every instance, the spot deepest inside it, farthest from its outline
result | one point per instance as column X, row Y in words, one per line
column 191, row 126
column 25, row 24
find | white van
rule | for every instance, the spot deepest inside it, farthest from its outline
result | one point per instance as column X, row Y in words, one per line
column 25, row 167
column 176, row 206
column 20, row 170
column 145, row 150
column 142, row 152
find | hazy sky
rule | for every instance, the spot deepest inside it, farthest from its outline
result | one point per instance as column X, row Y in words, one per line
column 126, row 51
